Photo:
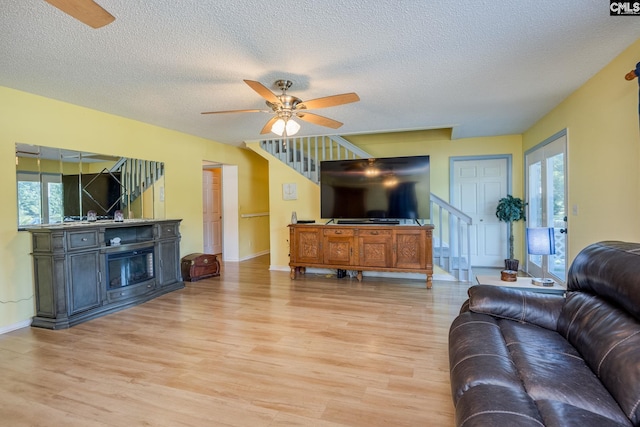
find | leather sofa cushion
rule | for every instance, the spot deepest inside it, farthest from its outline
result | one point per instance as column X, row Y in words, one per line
column 501, row 369
column 473, row 362
column 609, row 269
column 552, row 370
column 565, row 415
column 609, row 340
column 488, row 405
column 495, row 405
column 522, row 306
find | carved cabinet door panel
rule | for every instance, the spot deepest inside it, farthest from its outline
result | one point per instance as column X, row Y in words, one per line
column 338, row 246
column 375, row 248
column 338, row 250
column 410, row 249
column 306, row 245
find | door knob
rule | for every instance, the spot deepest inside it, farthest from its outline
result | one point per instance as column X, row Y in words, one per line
column 564, row 230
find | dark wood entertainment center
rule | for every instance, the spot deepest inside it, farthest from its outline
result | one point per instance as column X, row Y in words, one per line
column 387, row 248
column 81, row 270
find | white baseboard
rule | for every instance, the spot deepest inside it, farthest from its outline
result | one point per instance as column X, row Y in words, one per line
column 256, row 255
column 19, row 325
column 248, row 257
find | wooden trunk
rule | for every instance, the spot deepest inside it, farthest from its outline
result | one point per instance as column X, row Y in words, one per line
column 199, row 266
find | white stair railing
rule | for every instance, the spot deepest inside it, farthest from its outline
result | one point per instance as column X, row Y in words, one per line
column 136, row 176
column 304, row 154
column 452, row 238
column 451, row 242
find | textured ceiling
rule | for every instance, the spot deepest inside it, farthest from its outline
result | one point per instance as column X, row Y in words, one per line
column 483, row 67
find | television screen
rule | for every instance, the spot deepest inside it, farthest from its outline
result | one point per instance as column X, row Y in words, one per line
column 100, row 192
column 381, row 188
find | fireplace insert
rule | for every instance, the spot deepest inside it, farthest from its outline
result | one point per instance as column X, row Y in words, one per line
column 129, row 267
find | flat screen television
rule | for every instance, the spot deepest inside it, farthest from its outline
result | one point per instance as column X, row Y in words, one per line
column 391, row 188
column 101, row 193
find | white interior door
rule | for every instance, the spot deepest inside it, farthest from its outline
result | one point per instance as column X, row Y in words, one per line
column 212, row 211
column 477, row 185
column 546, row 197
column 217, row 211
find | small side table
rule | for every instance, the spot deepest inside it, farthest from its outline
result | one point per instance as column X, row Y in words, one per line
column 522, row 283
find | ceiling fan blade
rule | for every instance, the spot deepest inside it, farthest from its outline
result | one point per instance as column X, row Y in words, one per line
column 235, row 111
column 85, row 11
column 263, row 91
column 329, row 101
column 319, row 120
column 267, row 127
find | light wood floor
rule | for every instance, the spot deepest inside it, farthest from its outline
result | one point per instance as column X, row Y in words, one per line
column 250, row 348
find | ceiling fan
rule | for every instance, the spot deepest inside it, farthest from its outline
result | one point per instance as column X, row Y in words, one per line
column 85, row 11
column 285, row 107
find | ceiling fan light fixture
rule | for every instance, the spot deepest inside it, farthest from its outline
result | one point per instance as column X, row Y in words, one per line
column 285, row 107
column 278, row 127
column 290, row 126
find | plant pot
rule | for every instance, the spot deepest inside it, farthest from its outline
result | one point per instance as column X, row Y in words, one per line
column 511, row 264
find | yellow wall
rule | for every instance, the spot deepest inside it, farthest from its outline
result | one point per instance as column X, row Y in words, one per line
column 601, row 119
column 37, row 120
column 440, row 148
column 436, row 143
column 253, row 206
column 307, row 205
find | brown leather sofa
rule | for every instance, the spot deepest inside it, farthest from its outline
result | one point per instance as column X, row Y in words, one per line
column 521, row 358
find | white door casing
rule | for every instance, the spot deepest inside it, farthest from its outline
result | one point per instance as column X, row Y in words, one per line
column 217, row 212
column 546, row 190
column 477, row 184
column 207, row 211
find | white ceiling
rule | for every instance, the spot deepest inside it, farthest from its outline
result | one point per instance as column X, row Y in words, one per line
column 483, row 67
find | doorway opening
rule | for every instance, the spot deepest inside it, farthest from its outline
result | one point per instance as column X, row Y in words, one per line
column 220, row 210
column 212, row 210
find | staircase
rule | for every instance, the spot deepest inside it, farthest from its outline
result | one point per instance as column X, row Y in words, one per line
column 452, row 227
column 304, row 154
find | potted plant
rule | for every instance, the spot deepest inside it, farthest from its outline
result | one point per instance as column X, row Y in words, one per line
column 511, row 209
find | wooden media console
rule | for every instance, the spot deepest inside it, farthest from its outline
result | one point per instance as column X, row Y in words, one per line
column 388, row 248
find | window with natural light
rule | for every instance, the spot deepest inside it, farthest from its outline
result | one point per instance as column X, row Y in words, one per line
column 37, row 190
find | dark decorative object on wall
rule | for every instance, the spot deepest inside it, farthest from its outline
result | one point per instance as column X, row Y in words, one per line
column 632, row 75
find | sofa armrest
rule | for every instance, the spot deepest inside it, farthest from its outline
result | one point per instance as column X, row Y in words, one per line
column 514, row 304
column 465, row 307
